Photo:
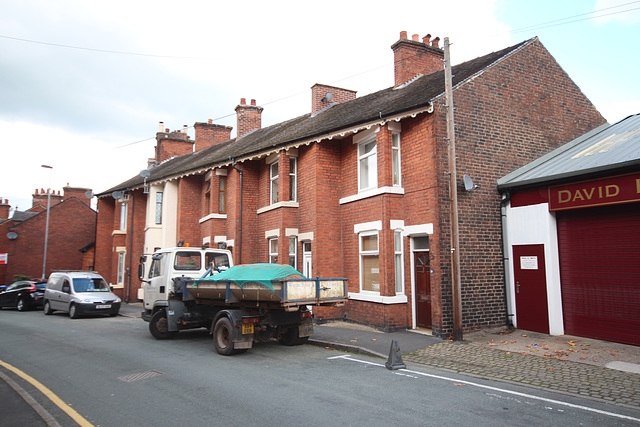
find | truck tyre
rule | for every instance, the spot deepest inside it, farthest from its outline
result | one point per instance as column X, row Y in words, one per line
column 223, row 337
column 290, row 337
column 159, row 326
column 47, row 308
column 73, row 311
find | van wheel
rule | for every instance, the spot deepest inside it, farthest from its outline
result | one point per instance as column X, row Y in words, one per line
column 21, row 306
column 73, row 311
column 223, row 337
column 159, row 326
column 47, row 308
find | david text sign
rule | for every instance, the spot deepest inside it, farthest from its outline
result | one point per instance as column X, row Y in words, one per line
column 605, row 191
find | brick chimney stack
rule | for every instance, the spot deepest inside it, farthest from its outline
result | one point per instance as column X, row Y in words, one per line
column 249, row 117
column 324, row 95
column 170, row 144
column 413, row 58
column 41, row 198
column 78, row 192
column 5, row 208
column 208, row 134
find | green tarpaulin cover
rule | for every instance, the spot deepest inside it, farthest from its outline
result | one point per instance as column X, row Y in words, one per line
column 254, row 273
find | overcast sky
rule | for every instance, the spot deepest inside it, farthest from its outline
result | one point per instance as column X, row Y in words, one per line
column 83, row 84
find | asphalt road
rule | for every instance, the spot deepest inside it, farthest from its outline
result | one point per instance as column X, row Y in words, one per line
column 111, row 372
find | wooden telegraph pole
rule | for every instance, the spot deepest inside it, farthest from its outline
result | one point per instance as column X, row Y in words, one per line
column 453, row 195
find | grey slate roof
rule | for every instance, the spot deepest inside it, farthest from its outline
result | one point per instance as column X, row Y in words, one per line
column 19, row 216
column 386, row 103
column 606, row 148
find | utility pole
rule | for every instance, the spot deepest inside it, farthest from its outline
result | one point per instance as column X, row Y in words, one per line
column 453, row 195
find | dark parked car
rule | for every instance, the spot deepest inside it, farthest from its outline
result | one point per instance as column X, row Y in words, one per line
column 23, row 295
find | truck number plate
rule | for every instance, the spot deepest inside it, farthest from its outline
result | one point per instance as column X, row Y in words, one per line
column 103, row 306
column 247, row 328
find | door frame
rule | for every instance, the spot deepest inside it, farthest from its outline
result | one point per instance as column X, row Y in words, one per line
column 412, row 251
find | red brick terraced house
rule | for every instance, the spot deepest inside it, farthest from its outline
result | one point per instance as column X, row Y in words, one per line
column 358, row 187
column 70, row 245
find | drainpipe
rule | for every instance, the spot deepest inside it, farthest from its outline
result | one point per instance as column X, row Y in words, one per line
column 240, row 171
column 506, row 198
column 126, row 299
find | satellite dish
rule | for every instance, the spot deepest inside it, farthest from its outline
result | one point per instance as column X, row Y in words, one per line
column 88, row 194
column 327, row 97
column 12, row 235
column 117, row 195
column 468, row 182
column 145, row 173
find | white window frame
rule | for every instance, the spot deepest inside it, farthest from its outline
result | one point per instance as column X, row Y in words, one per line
column 121, row 268
column 293, row 179
column 273, row 256
column 369, row 158
column 368, row 253
column 273, row 182
column 398, row 259
column 396, row 169
column 293, row 255
column 123, row 216
column 158, row 218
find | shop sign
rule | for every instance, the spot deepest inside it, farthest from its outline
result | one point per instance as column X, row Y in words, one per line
column 598, row 192
column 4, row 258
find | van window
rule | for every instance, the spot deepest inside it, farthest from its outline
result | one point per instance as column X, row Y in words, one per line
column 87, row 284
column 186, row 260
column 66, row 286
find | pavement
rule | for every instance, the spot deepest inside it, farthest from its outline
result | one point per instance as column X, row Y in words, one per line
column 601, row 370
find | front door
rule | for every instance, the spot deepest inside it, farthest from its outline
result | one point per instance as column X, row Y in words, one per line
column 423, row 289
column 532, row 312
column 306, row 259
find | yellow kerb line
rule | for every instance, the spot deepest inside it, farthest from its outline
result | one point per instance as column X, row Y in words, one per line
column 51, row 395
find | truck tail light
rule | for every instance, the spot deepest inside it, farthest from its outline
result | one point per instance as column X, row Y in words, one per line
column 250, row 320
column 306, row 314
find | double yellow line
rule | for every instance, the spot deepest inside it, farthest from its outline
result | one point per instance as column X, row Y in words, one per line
column 44, row 390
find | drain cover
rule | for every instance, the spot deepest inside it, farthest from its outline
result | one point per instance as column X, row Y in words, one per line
column 140, row 376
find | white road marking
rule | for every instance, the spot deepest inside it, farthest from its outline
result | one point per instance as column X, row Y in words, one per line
column 486, row 387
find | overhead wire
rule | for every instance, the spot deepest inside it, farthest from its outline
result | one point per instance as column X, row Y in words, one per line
column 548, row 24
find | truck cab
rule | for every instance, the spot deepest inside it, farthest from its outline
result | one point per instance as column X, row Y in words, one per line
column 170, row 263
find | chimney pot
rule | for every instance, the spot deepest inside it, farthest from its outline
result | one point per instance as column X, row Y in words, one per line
column 167, row 130
column 403, row 34
column 426, row 39
column 210, row 121
column 185, row 128
column 253, row 102
column 436, row 42
column 243, row 101
column 415, row 37
column 161, row 126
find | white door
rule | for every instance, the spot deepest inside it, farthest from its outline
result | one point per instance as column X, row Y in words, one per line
column 306, row 259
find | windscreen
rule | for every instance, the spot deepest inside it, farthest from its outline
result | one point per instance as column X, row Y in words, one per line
column 86, row 284
column 187, row 260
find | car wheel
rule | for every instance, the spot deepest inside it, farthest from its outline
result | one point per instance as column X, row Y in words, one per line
column 21, row 305
column 47, row 308
column 73, row 311
column 159, row 326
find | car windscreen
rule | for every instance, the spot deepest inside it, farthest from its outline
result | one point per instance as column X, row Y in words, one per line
column 87, row 284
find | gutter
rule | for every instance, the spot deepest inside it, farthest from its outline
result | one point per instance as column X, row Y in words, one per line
column 506, row 199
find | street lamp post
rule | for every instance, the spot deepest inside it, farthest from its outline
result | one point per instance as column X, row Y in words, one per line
column 46, row 230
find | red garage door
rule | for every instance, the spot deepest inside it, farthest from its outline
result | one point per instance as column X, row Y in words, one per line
column 600, row 272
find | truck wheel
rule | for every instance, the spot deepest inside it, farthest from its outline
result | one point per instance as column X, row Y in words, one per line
column 223, row 337
column 73, row 311
column 159, row 326
column 290, row 337
column 47, row 308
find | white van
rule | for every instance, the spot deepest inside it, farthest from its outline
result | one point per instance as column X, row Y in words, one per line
column 79, row 293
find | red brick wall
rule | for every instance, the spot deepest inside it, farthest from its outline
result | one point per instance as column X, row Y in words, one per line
column 414, row 57
column 189, row 213
column 208, row 134
column 338, row 95
column 72, row 226
column 104, row 238
column 517, row 111
column 249, row 117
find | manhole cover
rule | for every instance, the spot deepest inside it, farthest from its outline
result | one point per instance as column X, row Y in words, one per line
column 140, row 376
